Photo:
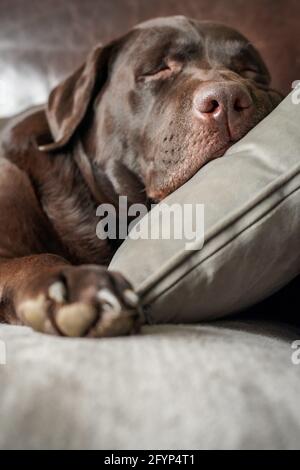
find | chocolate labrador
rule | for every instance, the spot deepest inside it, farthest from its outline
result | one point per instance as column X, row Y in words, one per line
column 138, row 118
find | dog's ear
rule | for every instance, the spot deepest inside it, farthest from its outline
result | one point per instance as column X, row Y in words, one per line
column 69, row 101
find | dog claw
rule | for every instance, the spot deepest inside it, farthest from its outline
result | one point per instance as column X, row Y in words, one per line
column 57, row 292
column 106, row 297
column 131, row 297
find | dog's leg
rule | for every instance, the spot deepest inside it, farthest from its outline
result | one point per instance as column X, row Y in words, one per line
column 43, row 290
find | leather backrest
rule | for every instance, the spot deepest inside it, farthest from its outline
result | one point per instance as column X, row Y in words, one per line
column 42, row 41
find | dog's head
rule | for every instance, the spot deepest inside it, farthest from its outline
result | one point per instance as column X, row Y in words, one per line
column 164, row 100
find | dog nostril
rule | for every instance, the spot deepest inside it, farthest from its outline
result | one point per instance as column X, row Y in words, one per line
column 237, row 106
column 208, row 106
column 214, row 105
column 241, row 103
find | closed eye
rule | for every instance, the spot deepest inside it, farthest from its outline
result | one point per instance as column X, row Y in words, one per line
column 163, row 72
column 249, row 73
column 255, row 75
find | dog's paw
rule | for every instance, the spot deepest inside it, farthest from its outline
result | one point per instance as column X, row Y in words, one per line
column 82, row 301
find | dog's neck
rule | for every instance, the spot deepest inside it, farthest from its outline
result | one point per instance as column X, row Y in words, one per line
column 107, row 180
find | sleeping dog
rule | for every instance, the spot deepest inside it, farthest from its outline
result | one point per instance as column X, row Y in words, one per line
column 138, row 118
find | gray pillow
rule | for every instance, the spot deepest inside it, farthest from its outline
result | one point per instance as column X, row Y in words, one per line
column 251, row 247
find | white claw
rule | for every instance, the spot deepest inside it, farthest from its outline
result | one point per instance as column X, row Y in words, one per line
column 105, row 296
column 131, row 297
column 57, row 292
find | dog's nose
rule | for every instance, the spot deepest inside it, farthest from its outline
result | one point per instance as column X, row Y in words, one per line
column 222, row 101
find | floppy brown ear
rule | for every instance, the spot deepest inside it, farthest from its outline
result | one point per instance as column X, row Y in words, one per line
column 69, row 101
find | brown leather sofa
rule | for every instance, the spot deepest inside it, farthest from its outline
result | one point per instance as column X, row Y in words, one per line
column 230, row 384
column 41, row 41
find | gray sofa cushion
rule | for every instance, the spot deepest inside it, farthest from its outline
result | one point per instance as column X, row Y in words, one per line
column 251, row 200
column 226, row 385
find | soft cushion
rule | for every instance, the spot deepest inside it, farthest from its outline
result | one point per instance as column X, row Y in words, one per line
column 223, row 385
column 251, row 201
